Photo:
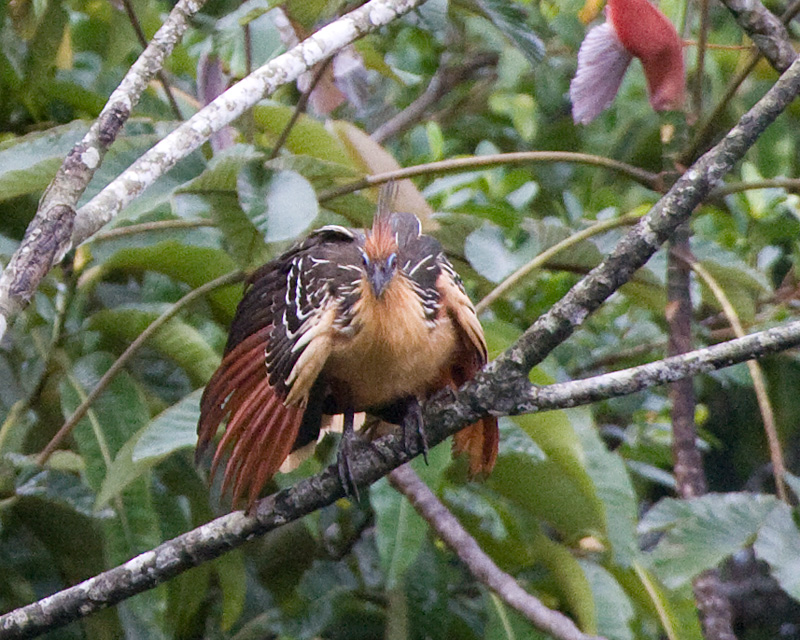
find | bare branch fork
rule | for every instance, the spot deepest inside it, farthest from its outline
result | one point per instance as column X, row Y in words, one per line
column 52, row 234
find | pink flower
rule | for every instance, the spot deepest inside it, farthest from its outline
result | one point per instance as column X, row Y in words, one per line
column 634, row 28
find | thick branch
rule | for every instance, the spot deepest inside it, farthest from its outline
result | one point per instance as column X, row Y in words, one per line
column 646, row 237
column 444, row 416
column 48, row 236
column 766, row 31
column 230, row 105
column 449, row 529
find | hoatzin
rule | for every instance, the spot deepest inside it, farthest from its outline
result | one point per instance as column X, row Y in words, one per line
column 345, row 321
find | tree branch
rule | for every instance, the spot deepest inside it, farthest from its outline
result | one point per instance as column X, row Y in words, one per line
column 48, row 236
column 444, row 415
column 231, row 104
column 765, row 29
column 34, row 258
column 645, row 238
column 449, row 529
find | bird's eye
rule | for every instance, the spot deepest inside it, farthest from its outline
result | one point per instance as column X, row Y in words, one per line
column 391, row 261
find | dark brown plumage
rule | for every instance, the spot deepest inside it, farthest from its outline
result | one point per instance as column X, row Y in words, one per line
column 343, row 322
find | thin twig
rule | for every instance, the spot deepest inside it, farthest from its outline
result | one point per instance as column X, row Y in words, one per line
column 144, row 227
column 702, row 37
column 162, row 77
column 757, row 375
column 300, row 108
column 119, row 363
column 442, row 82
column 454, row 165
column 480, row 565
column 545, row 256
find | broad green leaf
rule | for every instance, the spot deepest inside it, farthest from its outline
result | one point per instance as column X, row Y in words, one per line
column 28, row 163
column 281, row 205
column 101, row 436
column 615, row 612
column 400, row 531
column 66, row 489
column 222, row 170
column 676, row 610
column 173, row 429
column 510, row 19
column 193, row 265
column 573, row 585
column 231, row 574
column 175, row 340
column 308, row 137
column 612, row 485
column 699, row 533
column 777, row 544
column 505, row 623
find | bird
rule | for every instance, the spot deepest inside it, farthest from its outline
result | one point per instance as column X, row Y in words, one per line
column 345, row 321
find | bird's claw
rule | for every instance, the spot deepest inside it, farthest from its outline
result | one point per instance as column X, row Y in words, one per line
column 414, row 427
column 343, row 457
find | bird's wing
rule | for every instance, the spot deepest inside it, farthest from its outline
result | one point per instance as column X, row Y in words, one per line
column 479, row 441
column 279, row 342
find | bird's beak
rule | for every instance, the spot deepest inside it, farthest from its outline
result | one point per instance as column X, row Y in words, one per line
column 379, row 274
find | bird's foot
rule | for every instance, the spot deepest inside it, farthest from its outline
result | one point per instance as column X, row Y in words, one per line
column 414, row 427
column 347, row 447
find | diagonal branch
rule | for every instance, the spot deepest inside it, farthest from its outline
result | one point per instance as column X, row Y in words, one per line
column 48, row 236
column 38, row 254
column 449, row 529
column 231, row 104
column 765, row 29
column 443, row 417
column 645, row 238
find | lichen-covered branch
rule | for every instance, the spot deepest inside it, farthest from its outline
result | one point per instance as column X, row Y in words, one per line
column 48, row 236
column 230, row 105
column 444, row 415
column 765, row 29
column 646, row 237
column 449, row 529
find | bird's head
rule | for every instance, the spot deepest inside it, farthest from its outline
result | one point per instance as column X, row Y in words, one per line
column 379, row 255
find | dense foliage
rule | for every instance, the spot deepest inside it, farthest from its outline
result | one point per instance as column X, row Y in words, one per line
column 580, row 508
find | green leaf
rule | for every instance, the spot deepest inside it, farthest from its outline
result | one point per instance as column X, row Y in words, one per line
column 400, row 531
column 101, row 436
column 777, row 544
column 280, row 205
column 511, row 20
column 701, row 532
column 676, row 610
column 308, row 137
column 565, row 497
column 176, row 340
column 28, row 163
column 173, row 429
column 615, row 611
column 573, row 585
column 193, row 265
column 232, row 577
column 506, row 623
column 612, row 486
